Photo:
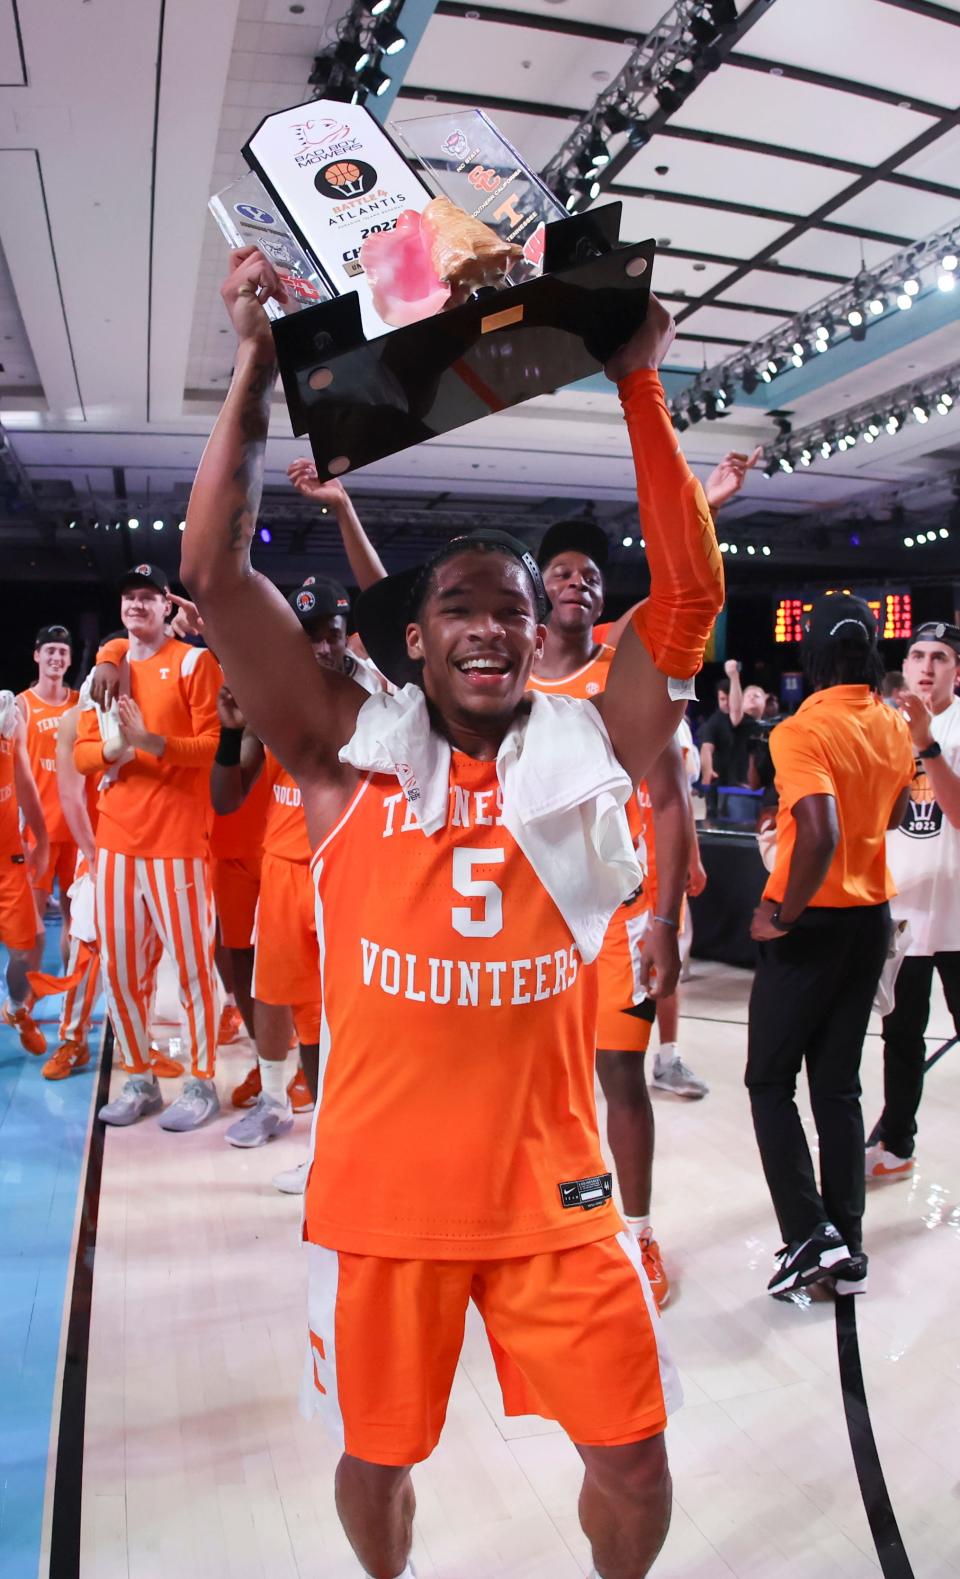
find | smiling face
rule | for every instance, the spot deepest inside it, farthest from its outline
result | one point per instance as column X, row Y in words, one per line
column 52, row 660
column 930, row 670
column 574, row 585
column 143, row 611
column 478, row 636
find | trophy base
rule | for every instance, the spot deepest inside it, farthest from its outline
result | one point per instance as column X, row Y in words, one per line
column 361, row 400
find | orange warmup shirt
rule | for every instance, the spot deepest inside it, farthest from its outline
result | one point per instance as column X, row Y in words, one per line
column 11, row 842
column 43, row 721
column 846, row 743
column 458, row 1118
column 160, row 806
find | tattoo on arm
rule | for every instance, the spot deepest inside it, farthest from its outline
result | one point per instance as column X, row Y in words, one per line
column 247, row 480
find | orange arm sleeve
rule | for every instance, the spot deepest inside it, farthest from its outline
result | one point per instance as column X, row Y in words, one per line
column 686, row 571
column 88, row 748
column 113, row 651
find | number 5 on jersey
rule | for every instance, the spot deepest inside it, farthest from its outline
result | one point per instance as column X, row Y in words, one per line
column 465, row 919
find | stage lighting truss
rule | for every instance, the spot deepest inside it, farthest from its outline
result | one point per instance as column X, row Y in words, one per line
column 876, row 293
column 350, row 68
column 689, row 41
column 920, row 401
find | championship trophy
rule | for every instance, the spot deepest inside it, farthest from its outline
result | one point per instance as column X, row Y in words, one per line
column 424, row 291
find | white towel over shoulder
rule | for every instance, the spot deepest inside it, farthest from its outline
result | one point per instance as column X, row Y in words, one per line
column 564, row 794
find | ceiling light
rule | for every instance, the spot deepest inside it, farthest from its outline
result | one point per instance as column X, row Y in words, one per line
column 615, row 120
column 694, row 412
column 821, row 346
column 352, row 54
column 944, row 532
column 265, row 534
column 806, row 456
column 158, row 526
column 734, row 549
column 667, row 98
column 133, row 523
column 724, row 548
column 904, row 302
column 868, row 436
column 628, row 542
column 598, row 151
column 908, row 542
column 920, row 412
column 377, row 7
column 786, row 463
column 748, row 379
column 703, row 29
column 946, row 282
column 911, row 285
column 892, row 423
column 949, row 262
column 766, row 550
column 855, row 317
column 873, row 427
column 182, row 527
column 851, row 439
column 767, row 372
column 71, row 525
column 826, row 449
column 797, row 359
column 389, row 38
column 798, row 348
column 724, row 12
column 842, row 445
column 771, row 468
column 374, row 79
column 751, row 549
column 921, row 537
column 876, row 305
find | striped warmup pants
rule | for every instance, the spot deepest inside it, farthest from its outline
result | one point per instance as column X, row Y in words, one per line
column 79, row 1001
column 143, row 906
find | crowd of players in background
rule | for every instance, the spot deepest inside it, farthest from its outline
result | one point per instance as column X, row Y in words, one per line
column 154, row 820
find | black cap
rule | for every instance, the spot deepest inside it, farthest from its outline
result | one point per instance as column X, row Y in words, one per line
column 385, row 610
column 319, row 598
column 938, row 630
column 581, row 536
column 839, row 616
column 145, row 576
column 52, row 633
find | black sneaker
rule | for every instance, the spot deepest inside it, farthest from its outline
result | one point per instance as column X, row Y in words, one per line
column 851, row 1277
column 808, row 1261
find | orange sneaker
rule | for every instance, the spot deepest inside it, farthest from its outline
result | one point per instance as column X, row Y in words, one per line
column 246, row 1093
column 301, row 1097
column 32, row 1039
column 163, row 1067
column 653, row 1266
column 68, row 1057
column 231, row 1028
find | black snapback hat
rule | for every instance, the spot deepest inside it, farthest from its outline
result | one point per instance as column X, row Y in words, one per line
column 839, row 616
column 581, row 536
column 385, row 610
column 318, row 598
column 938, row 630
column 58, row 633
column 145, row 576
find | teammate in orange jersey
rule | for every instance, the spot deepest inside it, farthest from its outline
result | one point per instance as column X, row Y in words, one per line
column 42, row 706
column 236, row 847
column 152, row 883
column 471, row 848
column 640, row 959
column 286, row 977
column 21, row 931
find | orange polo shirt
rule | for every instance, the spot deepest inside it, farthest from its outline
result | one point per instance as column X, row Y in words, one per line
column 843, row 742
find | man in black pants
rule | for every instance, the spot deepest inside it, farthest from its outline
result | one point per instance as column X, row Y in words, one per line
column 924, row 856
column 842, row 763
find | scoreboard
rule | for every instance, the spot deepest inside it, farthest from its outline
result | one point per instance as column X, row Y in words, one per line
column 892, row 608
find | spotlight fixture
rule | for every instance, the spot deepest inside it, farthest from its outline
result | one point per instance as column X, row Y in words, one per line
column 949, row 262
column 388, row 38
column 908, row 542
column 944, row 531
column 668, row 98
column 893, row 423
column 724, row 12
column 133, row 523
column 826, row 449
column 855, row 317
column 734, row 549
column 378, row 7
column 628, row 542
column 876, row 305
column 921, row 537
column 324, row 70
column 158, row 526
column 352, row 54
column 694, row 412
column 615, row 120
column 265, row 535
column 786, row 463
column 946, row 280
column 911, row 285
column 873, row 427
column 748, row 378
column 765, row 550
column 680, row 422
column 598, row 152
column 806, row 457
column 921, row 412
column 374, row 80
column 944, row 403
column 904, row 302
column 771, row 468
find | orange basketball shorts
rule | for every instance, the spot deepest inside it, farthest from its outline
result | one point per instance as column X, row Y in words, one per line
column 18, row 910
column 60, row 867
column 622, row 1025
column 575, row 1337
column 236, row 889
column 286, row 961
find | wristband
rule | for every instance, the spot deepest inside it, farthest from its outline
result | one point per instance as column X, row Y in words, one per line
column 228, row 747
column 931, row 751
column 665, row 921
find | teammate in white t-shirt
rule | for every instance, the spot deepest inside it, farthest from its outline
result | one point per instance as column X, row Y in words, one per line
column 924, row 858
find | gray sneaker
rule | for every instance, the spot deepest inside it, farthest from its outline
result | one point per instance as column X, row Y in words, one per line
column 261, row 1123
column 676, row 1079
column 138, row 1098
column 197, row 1102
column 292, row 1181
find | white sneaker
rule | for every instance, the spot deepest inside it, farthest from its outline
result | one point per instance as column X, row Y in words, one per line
column 139, row 1097
column 884, row 1167
column 263, row 1122
column 677, row 1079
column 293, row 1181
column 197, row 1102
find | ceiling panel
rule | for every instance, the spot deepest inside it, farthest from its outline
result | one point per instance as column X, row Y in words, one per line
column 798, row 115
column 643, row 14
column 940, row 162
column 822, row 249
column 864, row 41
column 697, row 230
column 722, row 320
column 460, row 56
column 681, row 277
column 767, row 289
column 898, row 209
column 737, row 177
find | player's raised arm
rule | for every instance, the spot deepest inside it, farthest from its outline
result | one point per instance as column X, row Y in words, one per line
column 664, row 643
column 304, row 713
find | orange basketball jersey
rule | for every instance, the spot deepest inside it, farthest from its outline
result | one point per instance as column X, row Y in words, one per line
column 285, row 833
column 584, row 683
column 10, row 841
column 160, row 806
column 458, row 1118
column 240, row 834
column 43, row 720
